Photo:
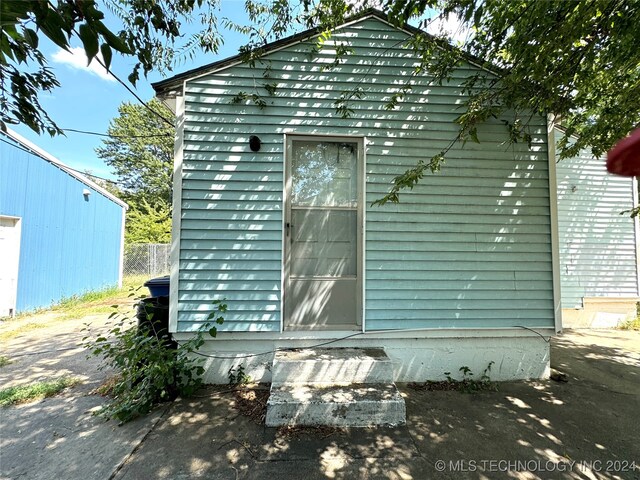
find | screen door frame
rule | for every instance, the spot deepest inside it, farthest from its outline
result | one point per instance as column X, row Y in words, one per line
column 357, row 323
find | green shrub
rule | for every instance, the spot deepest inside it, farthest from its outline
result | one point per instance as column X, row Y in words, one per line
column 151, row 368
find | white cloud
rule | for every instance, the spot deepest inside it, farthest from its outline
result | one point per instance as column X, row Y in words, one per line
column 76, row 58
column 451, row 26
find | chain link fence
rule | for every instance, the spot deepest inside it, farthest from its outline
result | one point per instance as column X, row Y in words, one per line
column 146, row 259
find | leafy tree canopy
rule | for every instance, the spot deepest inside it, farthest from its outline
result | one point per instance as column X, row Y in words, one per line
column 147, row 223
column 140, row 152
column 149, row 31
column 578, row 60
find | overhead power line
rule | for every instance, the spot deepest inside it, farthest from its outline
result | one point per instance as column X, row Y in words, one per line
column 130, row 90
column 116, row 136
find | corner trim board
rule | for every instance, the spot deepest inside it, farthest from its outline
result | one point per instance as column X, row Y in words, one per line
column 178, row 155
column 283, row 268
column 636, row 228
column 555, row 236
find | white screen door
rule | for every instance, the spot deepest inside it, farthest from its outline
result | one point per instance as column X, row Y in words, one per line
column 323, row 220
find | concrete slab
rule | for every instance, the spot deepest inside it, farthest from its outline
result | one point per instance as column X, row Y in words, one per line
column 573, row 430
column 357, row 405
column 60, row 438
column 332, row 366
column 605, row 359
column 207, row 438
column 591, row 420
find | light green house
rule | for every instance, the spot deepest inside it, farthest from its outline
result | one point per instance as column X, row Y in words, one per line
column 598, row 243
column 461, row 272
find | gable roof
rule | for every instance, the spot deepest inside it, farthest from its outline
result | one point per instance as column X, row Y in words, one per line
column 35, row 150
column 170, row 86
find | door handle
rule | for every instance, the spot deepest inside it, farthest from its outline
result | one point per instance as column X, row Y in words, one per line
column 289, row 227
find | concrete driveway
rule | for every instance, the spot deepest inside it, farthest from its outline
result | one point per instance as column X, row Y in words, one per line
column 585, row 428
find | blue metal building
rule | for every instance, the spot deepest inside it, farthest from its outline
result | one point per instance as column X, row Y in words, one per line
column 60, row 233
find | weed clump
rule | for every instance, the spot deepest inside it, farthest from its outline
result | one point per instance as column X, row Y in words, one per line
column 466, row 384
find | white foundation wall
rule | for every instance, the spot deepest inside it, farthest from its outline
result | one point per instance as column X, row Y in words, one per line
column 417, row 359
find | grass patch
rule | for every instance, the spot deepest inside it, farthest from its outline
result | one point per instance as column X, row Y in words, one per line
column 102, row 301
column 19, row 330
column 90, row 303
column 4, row 361
column 35, row 391
column 632, row 324
column 97, row 301
column 88, row 297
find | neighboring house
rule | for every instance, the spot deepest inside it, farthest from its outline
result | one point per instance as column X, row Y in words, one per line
column 60, row 233
column 598, row 243
column 462, row 272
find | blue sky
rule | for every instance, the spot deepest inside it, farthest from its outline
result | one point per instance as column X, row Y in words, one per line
column 88, row 98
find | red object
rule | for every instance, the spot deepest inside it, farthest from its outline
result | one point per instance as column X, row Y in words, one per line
column 624, row 158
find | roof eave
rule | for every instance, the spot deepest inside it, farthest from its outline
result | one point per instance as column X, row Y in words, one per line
column 173, row 86
column 19, row 139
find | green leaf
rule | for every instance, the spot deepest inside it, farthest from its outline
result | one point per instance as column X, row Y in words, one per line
column 31, row 37
column 106, row 54
column 134, row 75
column 53, row 30
column 89, row 40
column 113, row 40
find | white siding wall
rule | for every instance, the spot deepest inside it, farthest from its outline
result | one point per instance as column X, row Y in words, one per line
column 469, row 247
column 597, row 243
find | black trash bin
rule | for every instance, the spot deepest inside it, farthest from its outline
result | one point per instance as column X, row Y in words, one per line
column 153, row 316
column 159, row 286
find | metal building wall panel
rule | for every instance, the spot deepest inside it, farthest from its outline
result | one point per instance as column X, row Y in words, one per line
column 70, row 243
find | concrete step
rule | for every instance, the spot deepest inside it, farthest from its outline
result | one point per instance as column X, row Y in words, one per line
column 330, row 366
column 357, row 405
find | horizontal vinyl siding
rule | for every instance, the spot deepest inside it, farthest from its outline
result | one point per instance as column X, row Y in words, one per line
column 472, row 243
column 597, row 243
column 468, row 247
